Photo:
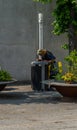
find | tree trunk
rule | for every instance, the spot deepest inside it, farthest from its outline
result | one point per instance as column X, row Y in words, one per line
column 72, row 32
column 72, row 39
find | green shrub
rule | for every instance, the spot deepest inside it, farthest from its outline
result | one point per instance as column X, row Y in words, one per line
column 5, row 76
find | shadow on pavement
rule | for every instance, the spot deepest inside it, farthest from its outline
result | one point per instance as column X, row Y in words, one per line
column 33, row 97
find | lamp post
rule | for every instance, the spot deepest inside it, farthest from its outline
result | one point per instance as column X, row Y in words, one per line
column 42, row 63
column 40, row 21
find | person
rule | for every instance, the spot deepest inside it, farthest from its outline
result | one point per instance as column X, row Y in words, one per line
column 45, row 55
column 48, row 56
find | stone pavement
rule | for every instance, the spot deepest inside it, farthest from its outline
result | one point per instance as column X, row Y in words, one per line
column 23, row 109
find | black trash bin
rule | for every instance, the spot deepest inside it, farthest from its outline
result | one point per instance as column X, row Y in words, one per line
column 39, row 72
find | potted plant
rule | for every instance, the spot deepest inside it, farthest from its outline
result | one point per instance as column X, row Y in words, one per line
column 5, row 78
column 66, row 82
column 70, row 75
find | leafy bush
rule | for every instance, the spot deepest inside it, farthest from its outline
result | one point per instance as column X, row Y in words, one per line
column 71, row 74
column 5, row 76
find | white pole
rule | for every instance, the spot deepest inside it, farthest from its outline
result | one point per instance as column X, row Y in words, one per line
column 40, row 20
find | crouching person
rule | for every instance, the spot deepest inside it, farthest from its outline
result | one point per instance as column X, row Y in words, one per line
column 48, row 56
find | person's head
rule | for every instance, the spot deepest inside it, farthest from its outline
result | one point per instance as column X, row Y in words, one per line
column 41, row 52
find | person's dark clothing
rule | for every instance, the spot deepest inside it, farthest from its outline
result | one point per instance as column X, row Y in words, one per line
column 48, row 56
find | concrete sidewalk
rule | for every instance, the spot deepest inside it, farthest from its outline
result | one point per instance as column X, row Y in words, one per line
column 23, row 109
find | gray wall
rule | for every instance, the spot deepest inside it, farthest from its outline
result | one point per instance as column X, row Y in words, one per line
column 19, row 36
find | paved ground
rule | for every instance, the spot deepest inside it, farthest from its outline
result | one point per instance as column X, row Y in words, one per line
column 23, row 109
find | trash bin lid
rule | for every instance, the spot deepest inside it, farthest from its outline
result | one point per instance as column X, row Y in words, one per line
column 39, row 63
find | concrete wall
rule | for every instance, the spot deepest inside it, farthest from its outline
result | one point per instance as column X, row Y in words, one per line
column 19, row 36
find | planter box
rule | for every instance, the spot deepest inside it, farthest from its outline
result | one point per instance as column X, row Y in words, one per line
column 3, row 84
column 65, row 89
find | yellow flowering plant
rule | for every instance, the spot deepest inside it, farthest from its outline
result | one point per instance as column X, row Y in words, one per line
column 59, row 70
column 68, row 77
column 71, row 74
column 60, row 67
